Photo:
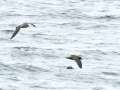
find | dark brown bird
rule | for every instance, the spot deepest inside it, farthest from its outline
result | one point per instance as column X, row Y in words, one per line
column 24, row 25
column 77, row 59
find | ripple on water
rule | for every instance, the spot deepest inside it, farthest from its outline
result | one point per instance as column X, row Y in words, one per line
column 107, row 17
column 110, row 73
column 3, row 39
column 6, row 31
column 6, row 68
column 25, row 48
column 49, row 53
column 98, row 88
column 18, row 67
column 31, row 68
column 94, row 54
column 24, row 51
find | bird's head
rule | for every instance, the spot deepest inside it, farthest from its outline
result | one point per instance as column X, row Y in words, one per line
column 74, row 57
column 33, row 25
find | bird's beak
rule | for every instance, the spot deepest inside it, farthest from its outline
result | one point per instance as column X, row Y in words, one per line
column 33, row 25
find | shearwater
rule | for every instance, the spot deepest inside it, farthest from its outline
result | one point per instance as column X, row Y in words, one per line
column 24, row 25
column 77, row 59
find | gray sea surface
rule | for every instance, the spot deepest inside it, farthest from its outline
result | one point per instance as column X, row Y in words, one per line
column 35, row 58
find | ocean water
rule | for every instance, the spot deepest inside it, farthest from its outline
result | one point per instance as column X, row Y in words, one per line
column 35, row 58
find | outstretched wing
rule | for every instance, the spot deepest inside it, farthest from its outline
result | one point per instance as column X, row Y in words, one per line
column 15, row 33
column 79, row 63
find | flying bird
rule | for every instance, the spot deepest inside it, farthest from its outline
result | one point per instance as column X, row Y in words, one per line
column 24, row 25
column 77, row 59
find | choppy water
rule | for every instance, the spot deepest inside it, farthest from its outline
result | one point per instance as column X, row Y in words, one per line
column 35, row 60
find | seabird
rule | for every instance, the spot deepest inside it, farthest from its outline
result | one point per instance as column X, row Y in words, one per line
column 77, row 59
column 24, row 25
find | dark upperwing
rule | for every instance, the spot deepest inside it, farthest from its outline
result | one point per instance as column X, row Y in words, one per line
column 15, row 32
column 79, row 63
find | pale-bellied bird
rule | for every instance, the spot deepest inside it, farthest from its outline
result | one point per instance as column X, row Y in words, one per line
column 77, row 59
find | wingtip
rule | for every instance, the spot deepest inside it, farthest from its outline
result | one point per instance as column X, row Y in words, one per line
column 79, row 63
column 10, row 38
